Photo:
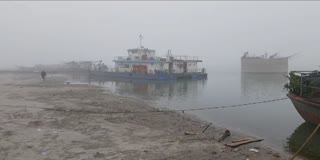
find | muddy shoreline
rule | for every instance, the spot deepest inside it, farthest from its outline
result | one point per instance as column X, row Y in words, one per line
column 53, row 120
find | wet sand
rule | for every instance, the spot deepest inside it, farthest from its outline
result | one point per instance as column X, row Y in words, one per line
column 52, row 120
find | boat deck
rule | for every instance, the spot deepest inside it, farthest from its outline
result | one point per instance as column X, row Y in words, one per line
column 157, row 76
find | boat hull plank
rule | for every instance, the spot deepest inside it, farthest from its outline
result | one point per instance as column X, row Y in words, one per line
column 309, row 111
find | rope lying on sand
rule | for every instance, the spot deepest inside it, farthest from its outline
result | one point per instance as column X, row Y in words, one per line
column 152, row 111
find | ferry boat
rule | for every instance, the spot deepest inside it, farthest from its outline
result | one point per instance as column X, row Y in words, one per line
column 142, row 63
column 304, row 92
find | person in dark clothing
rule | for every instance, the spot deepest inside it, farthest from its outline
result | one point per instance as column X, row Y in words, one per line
column 43, row 75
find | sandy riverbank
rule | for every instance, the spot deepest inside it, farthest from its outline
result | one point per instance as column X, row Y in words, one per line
column 52, row 120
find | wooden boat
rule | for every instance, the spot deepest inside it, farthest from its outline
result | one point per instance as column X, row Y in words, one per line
column 304, row 92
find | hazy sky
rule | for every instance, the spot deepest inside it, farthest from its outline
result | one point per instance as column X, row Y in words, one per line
column 217, row 32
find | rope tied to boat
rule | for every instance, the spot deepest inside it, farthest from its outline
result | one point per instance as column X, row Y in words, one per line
column 231, row 106
column 158, row 111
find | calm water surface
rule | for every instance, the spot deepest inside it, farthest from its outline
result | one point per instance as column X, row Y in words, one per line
column 277, row 122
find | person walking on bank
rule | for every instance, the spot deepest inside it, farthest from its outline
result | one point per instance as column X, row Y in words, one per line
column 43, row 75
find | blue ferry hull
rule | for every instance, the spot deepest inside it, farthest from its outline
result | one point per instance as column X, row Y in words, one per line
column 143, row 76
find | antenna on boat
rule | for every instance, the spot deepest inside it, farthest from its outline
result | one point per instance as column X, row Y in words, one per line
column 140, row 36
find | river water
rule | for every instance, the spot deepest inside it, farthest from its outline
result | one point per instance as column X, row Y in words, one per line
column 276, row 122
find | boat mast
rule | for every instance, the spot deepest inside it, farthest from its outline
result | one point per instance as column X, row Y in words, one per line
column 140, row 40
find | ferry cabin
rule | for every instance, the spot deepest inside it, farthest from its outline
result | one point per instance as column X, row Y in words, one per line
column 144, row 60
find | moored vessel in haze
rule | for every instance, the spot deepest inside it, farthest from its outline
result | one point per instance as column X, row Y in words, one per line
column 142, row 63
column 264, row 63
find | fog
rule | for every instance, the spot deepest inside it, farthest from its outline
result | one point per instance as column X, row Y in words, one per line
column 217, row 32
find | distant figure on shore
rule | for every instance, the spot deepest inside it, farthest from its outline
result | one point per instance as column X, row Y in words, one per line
column 43, row 75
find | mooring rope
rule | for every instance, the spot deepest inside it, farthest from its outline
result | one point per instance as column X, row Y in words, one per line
column 163, row 111
column 153, row 111
column 237, row 105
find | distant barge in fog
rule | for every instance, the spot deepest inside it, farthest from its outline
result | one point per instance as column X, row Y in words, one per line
column 264, row 64
column 142, row 63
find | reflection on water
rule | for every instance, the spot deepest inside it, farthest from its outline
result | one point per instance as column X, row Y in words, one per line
column 254, row 85
column 273, row 122
column 312, row 149
column 152, row 90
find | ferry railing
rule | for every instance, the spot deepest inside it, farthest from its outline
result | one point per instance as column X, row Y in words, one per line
column 186, row 58
column 124, row 58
